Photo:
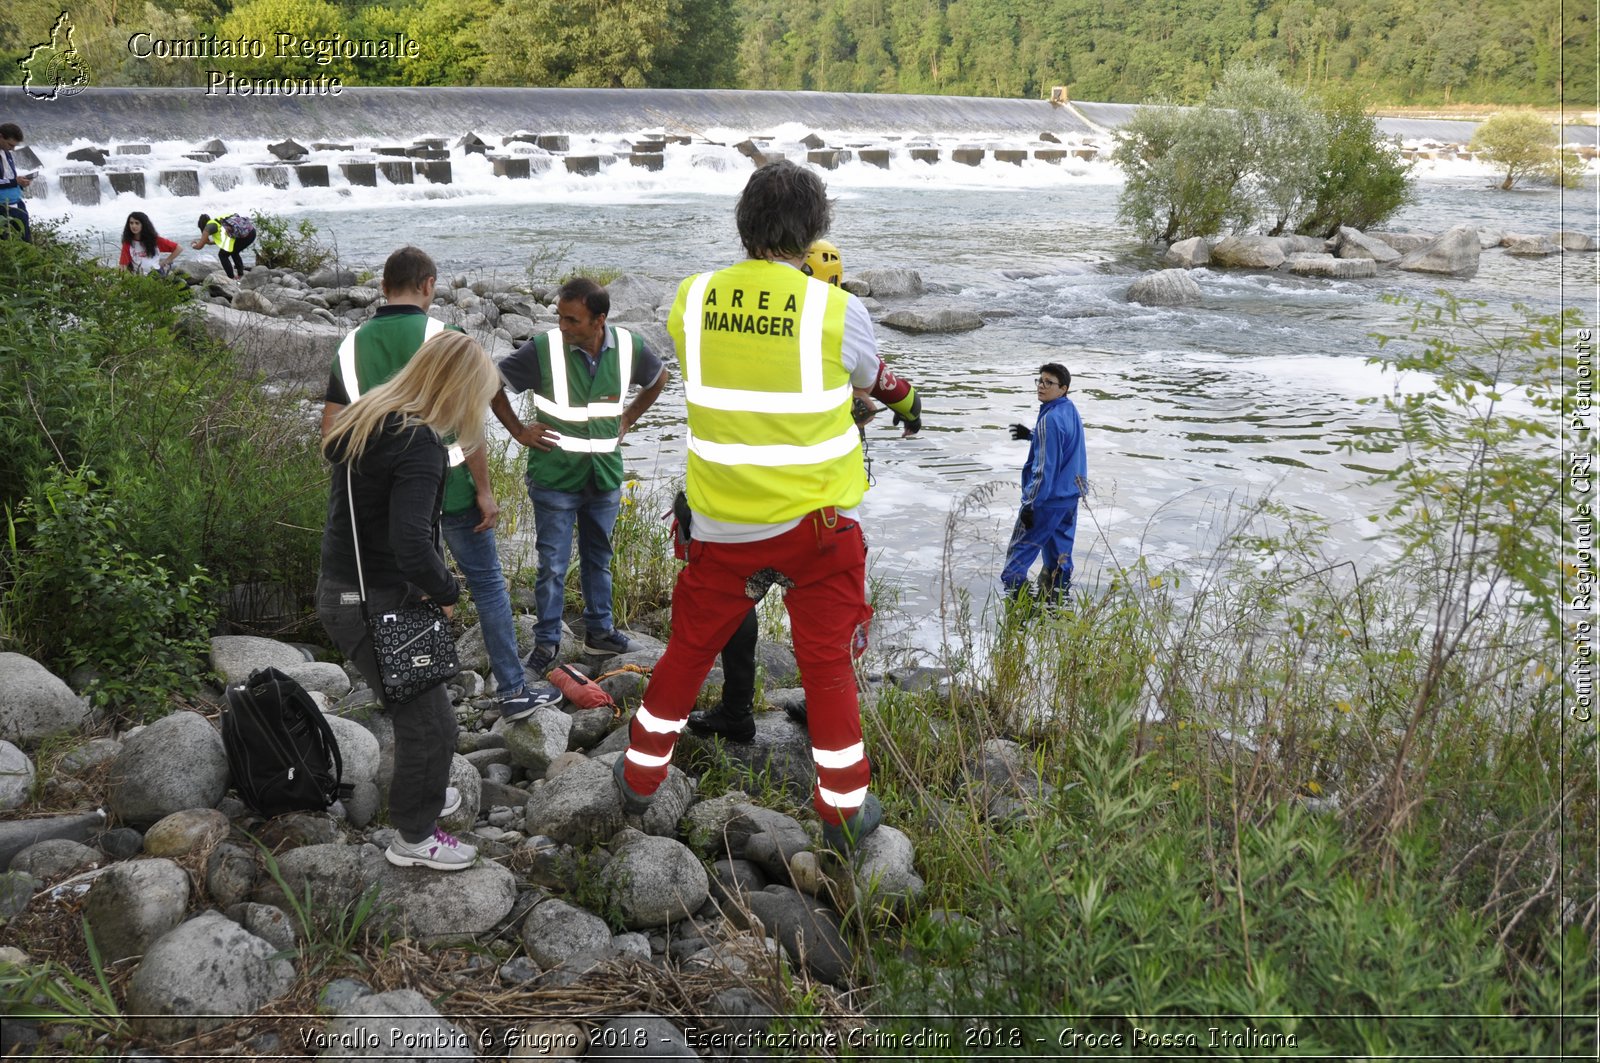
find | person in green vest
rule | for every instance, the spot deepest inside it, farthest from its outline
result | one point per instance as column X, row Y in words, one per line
column 580, row 373
column 370, row 356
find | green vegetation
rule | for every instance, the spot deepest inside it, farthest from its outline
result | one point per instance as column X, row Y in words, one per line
column 1257, row 152
column 1331, row 803
column 281, row 244
column 1399, row 51
column 148, row 484
column 1525, row 145
column 86, row 1012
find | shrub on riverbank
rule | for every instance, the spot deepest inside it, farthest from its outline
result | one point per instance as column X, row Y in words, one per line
column 1291, row 806
column 116, row 403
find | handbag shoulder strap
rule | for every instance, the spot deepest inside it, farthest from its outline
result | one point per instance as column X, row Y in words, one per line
column 355, row 535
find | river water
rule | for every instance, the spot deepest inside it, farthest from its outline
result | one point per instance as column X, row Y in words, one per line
column 1189, row 412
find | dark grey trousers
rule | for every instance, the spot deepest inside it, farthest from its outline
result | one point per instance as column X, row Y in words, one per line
column 424, row 728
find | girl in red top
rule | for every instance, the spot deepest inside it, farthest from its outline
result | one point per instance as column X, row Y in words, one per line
column 142, row 248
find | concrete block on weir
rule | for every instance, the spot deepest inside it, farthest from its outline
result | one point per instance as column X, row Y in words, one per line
column 180, row 182
column 434, row 171
column 398, row 171
column 312, row 176
column 361, row 174
column 123, row 181
column 510, row 166
column 132, row 149
column 827, row 158
column 1085, row 154
column 81, row 189
column 928, row 155
column 273, row 176
column 587, row 165
column 967, row 156
column 224, row 178
column 878, row 157
column 1052, row 155
column 1015, row 156
column 554, row 142
column 647, row 160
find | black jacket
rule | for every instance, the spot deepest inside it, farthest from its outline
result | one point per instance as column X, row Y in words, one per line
column 399, row 487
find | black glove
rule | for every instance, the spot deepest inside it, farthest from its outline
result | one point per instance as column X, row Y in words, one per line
column 913, row 425
column 1021, row 431
column 1025, row 518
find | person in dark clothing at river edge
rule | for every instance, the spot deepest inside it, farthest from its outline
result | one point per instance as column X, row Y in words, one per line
column 1053, row 477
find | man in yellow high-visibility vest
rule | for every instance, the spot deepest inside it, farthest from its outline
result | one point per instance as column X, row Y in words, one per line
column 770, row 358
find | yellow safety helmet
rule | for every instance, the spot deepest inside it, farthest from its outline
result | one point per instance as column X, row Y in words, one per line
column 822, row 262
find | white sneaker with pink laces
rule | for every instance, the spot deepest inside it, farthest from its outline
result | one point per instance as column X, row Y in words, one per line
column 441, row 851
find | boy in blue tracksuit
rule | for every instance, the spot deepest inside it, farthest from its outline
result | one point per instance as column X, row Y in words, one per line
column 1052, row 479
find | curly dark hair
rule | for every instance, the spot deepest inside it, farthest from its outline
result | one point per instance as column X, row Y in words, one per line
column 782, row 209
column 147, row 232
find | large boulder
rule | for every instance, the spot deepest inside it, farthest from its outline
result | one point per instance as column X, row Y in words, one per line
column 359, row 752
column 34, row 704
column 943, row 320
column 1327, row 266
column 883, row 867
column 1353, row 243
column 429, row 906
column 1167, row 287
column 284, row 350
column 234, row 657
column 18, row 834
column 634, row 292
column 1249, row 251
column 1188, row 254
column 891, row 283
column 1526, row 246
column 168, row 766
column 320, row 677
column 555, row 930
column 1573, row 240
column 1454, row 253
column 1404, row 243
column 579, row 806
column 807, row 929
column 202, row 975
column 16, row 777
column 538, row 739
column 192, row 830
column 336, row 875
column 132, row 904
column 654, row 881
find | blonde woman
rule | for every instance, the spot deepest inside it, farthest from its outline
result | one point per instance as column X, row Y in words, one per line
column 390, row 442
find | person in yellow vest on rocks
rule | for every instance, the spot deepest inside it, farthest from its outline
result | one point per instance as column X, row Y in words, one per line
column 770, row 360
column 579, row 373
column 232, row 235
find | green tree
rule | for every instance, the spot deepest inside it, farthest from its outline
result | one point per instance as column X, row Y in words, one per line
column 1178, row 183
column 295, row 21
column 1364, row 179
column 702, row 49
column 582, row 43
column 1278, row 143
column 1522, row 144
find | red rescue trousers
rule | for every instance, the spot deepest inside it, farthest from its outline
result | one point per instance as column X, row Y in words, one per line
column 825, row 558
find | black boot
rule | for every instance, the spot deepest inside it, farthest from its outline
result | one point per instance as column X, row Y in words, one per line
column 736, row 725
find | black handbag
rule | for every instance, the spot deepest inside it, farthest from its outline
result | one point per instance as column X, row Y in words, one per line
column 412, row 643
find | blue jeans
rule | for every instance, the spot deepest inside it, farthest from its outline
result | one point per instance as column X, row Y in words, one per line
column 555, row 513
column 480, row 562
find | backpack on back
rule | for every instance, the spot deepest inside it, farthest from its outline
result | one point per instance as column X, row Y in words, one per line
column 239, row 227
column 282, row 755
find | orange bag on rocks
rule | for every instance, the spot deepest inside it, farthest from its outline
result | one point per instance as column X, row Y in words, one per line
column 579, row 689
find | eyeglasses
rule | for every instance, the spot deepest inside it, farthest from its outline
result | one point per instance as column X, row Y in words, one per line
column 1046, row 382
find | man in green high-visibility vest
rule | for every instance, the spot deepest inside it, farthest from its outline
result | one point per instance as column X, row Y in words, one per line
column 580, row 374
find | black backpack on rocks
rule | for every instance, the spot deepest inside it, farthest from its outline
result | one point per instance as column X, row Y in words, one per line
column 281, row 753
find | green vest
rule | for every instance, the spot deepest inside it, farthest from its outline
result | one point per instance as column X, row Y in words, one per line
column 771, row 438
column 373, row 354
column 586, row 413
